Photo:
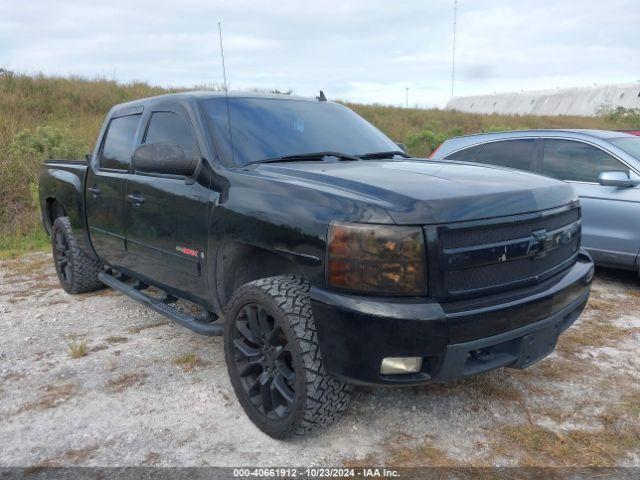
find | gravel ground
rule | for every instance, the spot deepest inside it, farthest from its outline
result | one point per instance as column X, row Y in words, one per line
column 148, row 392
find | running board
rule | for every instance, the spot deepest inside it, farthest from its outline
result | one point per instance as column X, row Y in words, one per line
column 181, row 318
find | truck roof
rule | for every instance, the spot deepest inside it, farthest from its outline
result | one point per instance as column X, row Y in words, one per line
column 206, row 94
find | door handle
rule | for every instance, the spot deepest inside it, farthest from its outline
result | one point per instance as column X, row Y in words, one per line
column 135, row 198
column 94, row 190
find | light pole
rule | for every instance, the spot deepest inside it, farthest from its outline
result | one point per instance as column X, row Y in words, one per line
column 406, row 97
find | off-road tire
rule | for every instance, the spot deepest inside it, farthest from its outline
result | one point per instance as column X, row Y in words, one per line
column 80, row 272
column 319, row 397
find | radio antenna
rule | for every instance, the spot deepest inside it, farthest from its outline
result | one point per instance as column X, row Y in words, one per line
column 224, row 70
column 226, row 92
column 453, row 50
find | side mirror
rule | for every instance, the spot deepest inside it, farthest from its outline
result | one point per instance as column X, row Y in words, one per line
column 616, row 179
column 165, row 158
column 402, row 146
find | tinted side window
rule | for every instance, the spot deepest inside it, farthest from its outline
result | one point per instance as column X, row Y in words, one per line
column 508, row 153
column 569, row 160
column 465, row 155
column 171, row 127
column 118, row 143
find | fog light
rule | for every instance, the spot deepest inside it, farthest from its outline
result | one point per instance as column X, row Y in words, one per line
column 400, row 365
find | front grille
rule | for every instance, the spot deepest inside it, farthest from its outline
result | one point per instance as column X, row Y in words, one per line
column 467, row 237
column 516, row 252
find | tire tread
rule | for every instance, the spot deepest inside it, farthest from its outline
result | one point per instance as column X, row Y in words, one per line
column 326, row 397
column 84, row 270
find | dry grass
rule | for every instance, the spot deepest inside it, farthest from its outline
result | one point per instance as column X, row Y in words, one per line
column 51, row 397
column 398, row 454
column 116, row 339
column 77, row 349
column 597, row 327
column 73, row 456
column 557, row 368
column 613, row 433
column 27, row 266
column 124, row 381
column 537, row 446
column 189, row 361
column 13, row 376
column 152, row 458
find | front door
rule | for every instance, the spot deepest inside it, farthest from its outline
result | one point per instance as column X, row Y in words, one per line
column 610, row 215
column 106, row 188
column 167, row 216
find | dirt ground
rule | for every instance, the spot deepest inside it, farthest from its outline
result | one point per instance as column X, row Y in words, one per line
column 142, row 391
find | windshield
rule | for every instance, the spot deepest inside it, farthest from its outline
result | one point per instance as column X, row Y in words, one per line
column 266, row 128
column 631, row 145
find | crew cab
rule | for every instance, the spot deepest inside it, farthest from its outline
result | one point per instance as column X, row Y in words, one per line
column 323, row 254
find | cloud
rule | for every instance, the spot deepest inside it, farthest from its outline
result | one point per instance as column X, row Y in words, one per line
column 359, row 50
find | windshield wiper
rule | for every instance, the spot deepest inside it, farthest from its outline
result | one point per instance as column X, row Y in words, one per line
column 389, row 154
column 308, row 156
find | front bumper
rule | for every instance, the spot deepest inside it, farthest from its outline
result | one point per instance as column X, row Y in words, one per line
column 513, row 329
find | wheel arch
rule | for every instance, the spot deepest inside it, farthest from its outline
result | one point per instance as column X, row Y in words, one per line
column 53, row 210
column 239, row 263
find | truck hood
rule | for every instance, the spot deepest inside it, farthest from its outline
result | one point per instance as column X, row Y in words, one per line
column 417, row 191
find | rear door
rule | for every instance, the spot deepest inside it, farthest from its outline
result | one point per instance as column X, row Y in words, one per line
column 517, row 153
column 610, row 215
column 167, row 216
column 106, row 187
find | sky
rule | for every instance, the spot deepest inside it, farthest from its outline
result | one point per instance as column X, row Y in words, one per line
column 367, row 51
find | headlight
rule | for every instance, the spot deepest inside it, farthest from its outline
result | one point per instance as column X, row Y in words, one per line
column 377, row 259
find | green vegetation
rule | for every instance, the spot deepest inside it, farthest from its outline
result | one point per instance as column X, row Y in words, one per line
column 188, row 361
column 48, row 117
column 40, row 118
column 423, row 130
column 13, row 245
column 622, row 117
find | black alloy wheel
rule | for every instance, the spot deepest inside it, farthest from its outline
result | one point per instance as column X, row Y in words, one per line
column 274, row 360
column 61, row 254
column 264, row 361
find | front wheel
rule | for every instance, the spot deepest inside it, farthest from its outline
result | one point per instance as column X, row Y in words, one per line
column 274, row 360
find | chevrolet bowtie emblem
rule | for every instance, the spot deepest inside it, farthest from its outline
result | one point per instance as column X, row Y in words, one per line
column 538, row 244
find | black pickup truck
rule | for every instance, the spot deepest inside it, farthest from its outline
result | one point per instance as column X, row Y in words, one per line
column 333, row 258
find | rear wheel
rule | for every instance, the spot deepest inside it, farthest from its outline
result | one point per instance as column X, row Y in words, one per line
column 274, row 360
column 77, row 272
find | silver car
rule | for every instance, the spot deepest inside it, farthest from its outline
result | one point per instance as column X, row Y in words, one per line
column 603, row 167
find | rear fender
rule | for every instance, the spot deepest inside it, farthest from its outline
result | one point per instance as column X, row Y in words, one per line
column 62, row 193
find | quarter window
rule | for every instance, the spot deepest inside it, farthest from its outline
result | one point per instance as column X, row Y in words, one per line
column 508, row 153
column 465, row 155
column 577, row 161
column 171, row 127
column 118, row 143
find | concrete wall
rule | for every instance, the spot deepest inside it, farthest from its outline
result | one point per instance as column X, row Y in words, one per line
column 582, row 101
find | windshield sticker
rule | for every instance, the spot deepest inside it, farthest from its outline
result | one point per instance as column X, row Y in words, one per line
column 298, row 124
